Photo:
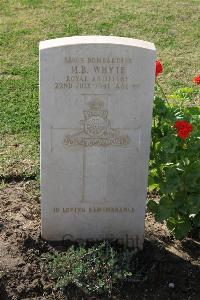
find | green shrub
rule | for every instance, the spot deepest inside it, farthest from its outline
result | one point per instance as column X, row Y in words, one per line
column 175, row 161
column 93, row 270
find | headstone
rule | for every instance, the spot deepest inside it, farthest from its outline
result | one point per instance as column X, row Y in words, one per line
column 96, row 96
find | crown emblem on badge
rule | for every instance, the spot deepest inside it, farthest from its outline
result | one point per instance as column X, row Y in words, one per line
column 96, row 104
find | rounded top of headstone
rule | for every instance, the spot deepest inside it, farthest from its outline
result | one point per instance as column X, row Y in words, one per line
column 95, row 39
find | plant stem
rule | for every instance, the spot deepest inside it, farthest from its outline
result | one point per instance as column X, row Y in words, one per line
column 162, row 92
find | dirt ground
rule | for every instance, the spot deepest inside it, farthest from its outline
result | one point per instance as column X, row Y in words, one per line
column 168, row 269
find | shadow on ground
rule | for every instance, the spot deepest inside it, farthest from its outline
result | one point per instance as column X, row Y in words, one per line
column 165, row 269
column 155, row 269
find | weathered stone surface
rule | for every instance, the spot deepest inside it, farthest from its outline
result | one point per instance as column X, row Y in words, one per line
column 96, row 107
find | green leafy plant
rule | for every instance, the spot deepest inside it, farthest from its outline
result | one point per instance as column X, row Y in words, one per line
column 1, row 274
column 93, row 270
column 175, row 162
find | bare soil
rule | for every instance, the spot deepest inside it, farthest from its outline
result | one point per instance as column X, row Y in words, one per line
column 168, row 269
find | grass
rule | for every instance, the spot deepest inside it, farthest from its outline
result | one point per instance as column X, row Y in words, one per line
column 18, row 157
column 174, row 27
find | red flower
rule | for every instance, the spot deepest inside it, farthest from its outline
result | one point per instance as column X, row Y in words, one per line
column 196, row 79
column 159, row 67
column 183, row 128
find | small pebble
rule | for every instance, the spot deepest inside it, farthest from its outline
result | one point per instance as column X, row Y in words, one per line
column 171, row 285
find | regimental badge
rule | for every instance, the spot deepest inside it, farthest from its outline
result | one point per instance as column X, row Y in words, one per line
column 96, row 130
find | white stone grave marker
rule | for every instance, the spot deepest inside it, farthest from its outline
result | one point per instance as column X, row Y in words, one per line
column 96, row 96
